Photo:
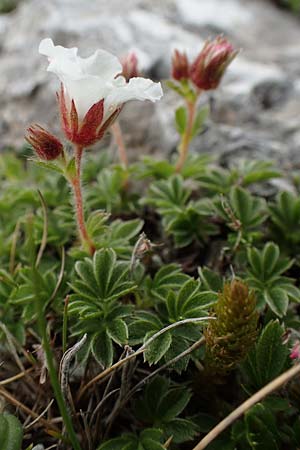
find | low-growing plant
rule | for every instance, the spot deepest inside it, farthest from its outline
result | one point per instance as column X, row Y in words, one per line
column 157, row 308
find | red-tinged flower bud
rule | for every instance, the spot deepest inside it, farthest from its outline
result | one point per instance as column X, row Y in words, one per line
column 46, row 146
column 91, row 128
column 180, row 66
column 208, row 68
column 130, row 66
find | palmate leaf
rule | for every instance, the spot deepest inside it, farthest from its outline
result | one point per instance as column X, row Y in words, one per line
column 23, row 295
column 191, row 224
column 254, row 171
column 104, row 278
column 268, row 358
column 168, row 195
column 249, row 210
column 161, row 405
column 265, row 277
column 119, row 235
column 190, row 301
column 216, row 180
column 99, row 284
column 169, row 276
column 285, row 216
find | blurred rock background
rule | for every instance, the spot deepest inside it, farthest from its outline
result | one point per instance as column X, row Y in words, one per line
column 255, row 113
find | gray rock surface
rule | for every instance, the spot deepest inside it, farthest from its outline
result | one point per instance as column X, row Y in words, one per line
column 254, row 113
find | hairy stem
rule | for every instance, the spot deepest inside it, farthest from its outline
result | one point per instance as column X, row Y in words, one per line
column 240, row 410
column 187, row 135
column 118, row 137
column 76, row 185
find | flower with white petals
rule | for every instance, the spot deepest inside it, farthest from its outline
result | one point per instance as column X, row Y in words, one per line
column 93, row 91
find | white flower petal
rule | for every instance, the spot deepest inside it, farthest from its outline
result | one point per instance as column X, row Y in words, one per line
column 101, row 64
column 137, row 89
column 85, row 92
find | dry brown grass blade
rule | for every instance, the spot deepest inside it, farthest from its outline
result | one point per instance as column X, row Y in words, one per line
column 16, row 377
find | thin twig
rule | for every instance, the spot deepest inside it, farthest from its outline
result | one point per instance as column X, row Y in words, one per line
column 140, row 350
column 240, row 410
column 41, row 415
column 45, row 231
column 86, row 430
column 102, row 401
column 16, row 377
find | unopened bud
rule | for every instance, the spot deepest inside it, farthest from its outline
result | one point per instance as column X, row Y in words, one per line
column 130, row 66
column 45, row 144
column 180, row 66
column 208, row 68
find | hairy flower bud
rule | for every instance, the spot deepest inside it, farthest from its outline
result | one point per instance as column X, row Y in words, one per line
column 45, row 144
column 208, row 68
column 130, row 66
column 232, row 334
column 180, row 66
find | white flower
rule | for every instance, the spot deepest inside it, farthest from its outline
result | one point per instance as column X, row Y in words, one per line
column 88, row 80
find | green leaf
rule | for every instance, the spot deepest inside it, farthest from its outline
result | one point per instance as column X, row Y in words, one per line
column 102, row 349
column 261, row 428
column 118, row 331
column 182, row 430
column 168, row 277
column 181, row 119
column 278, row 301
column 270, row 257
column 173, row 403
column 211, row 280
column 71, row 169
column 267, row 360
column 47, row 165
column 11, row 432
column 156, row 350
column 115, row 444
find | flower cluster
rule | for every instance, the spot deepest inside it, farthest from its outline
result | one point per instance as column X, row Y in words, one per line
column 206, row 71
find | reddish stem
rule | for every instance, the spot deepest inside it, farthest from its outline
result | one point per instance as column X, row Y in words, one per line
column 76, row 184
column 187, row 136
column 117, row 133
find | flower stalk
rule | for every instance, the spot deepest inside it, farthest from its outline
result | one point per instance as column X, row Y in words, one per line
column 118, row 137
column 77, row 190
column 187, row 135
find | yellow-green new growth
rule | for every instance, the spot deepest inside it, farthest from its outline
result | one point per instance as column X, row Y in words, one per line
column 232, row 334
